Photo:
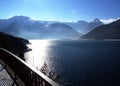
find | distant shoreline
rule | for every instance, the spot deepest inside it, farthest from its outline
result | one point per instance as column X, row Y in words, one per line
column 76, row 40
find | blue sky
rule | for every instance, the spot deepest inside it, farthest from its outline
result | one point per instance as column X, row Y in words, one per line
column 61, row 10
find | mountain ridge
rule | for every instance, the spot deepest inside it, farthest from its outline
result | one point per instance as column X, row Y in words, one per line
column 108, row 31
column 27, row 28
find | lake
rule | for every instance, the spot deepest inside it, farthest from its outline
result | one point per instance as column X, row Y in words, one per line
column 78, row 63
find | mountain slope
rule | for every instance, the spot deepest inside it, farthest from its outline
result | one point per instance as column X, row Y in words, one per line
column 14, row 44
column 62, row 31
column 109, row 31
column 78, row 26
column 83, row 26
column 25, row 27
column 95, row 23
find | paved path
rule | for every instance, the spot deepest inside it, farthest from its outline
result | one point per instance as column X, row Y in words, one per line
column 5, row 79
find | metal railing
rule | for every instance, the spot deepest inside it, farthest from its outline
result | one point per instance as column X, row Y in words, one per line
column 23, row 73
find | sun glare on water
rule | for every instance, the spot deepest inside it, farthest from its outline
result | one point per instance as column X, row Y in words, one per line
column 39, row 53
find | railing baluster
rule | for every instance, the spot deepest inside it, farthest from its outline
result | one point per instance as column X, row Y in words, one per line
column 27, row 74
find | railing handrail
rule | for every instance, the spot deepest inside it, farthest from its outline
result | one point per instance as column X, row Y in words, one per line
column 32, row 68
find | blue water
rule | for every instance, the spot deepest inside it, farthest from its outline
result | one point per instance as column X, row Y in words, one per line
column 85, row 63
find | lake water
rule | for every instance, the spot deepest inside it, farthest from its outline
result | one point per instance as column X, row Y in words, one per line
column 79, row 63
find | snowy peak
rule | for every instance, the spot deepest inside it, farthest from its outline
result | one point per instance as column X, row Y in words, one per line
column 82, row 21
column 20, row 17
column 95, row 23
column 23, row 26
column 96, row 20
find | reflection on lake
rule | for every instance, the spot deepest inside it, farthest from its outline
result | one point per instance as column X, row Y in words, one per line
column 79, row 63
column 39, row 53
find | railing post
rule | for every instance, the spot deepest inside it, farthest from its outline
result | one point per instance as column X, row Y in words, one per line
column 27, row 75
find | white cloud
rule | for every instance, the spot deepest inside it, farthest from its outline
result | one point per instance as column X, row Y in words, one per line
column 107, row 21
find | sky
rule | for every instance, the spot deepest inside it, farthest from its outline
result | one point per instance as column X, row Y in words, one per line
column 61, row 10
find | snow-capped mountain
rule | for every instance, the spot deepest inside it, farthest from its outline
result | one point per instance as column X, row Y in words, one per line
column 25, row 27
column 84, row 26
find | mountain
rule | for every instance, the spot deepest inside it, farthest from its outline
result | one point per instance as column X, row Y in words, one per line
column 84, row 26
column 62, row 31
column 14, row 44
column 93, row 24
column 22, row 26
column 109, row 31
column 78, row 26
